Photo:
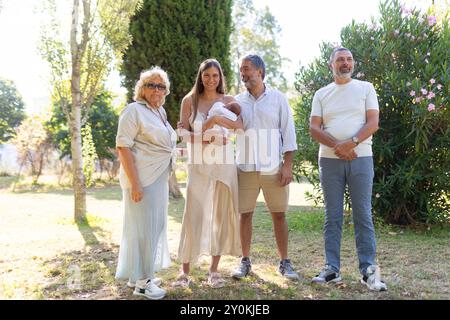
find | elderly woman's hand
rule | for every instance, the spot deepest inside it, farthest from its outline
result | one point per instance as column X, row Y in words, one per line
column 137, row 193
column 182, row 132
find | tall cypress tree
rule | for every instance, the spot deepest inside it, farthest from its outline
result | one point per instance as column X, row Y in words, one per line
column 177, row 36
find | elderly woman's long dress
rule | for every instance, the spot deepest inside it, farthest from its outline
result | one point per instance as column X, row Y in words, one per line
column 211, row 219
column 144, row 246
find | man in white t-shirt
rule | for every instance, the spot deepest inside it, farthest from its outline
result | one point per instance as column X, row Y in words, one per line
column 344, row 116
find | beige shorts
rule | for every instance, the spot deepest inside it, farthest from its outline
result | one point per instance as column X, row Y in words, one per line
column 250, row 184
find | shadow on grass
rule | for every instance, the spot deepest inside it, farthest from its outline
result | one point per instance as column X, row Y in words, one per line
column 88, row 232
column 252, row 287
column 82, row 274
column 48, row 190
column 114, row 192
column 101, row 191
column 298, row 215
column 87, row 273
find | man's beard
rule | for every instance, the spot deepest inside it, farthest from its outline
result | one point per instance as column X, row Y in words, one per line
column 343, row 75
column 247, row 84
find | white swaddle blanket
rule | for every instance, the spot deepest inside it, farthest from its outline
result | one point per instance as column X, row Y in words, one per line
column 218, row 109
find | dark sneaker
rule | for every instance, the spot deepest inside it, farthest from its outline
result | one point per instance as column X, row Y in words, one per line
column 372, row 279
column 286, row 270
column 327, row 275
column 244, row 269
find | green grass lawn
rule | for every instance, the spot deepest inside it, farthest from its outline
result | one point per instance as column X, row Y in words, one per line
column 44, row 255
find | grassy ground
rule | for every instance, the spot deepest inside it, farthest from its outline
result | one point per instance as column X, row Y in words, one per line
column 44, row 255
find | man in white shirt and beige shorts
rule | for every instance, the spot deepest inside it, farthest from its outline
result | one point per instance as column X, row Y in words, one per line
column 264, row 157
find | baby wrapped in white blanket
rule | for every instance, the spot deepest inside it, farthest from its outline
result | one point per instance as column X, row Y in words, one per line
column 218, row 109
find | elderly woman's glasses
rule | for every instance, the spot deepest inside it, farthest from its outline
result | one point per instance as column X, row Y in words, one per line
column 154, row 86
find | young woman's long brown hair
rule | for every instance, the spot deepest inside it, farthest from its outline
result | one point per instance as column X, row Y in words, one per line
column 199, row 88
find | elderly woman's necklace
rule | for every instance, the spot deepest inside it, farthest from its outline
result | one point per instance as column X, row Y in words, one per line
column 158, row 114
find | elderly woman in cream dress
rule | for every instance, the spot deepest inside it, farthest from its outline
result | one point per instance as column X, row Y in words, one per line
column 210, row 221
column 145, row 142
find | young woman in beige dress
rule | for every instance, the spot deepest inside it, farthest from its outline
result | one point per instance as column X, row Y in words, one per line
column 210, row 221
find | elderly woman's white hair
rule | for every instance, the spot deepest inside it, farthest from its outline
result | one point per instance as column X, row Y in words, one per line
column 145, row 78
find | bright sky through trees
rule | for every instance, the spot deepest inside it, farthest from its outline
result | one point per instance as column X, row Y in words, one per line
column 305, row 24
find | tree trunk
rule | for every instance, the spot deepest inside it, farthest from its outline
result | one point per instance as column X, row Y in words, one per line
column 79, row 180
column 174, row 189
column 41, row 155
column 63, row 169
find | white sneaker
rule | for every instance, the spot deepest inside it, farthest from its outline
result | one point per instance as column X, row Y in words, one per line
column 372, row 279
column 151, row 291
column 156, row 281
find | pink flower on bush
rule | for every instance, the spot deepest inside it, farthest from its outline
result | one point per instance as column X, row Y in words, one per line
column 405, row 10
column 431, row 20
column 424, row 91
column 412, row 93
column 431, row 95
column 439, row 86
column 432, row 81
column 431, row 107
column 360, row 75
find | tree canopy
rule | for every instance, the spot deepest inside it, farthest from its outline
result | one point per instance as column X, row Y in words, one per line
column 11, row 109
column 257, row 32
column 177, row 36
column 103, row 120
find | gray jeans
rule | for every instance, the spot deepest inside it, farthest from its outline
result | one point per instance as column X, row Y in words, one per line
column 358, row 174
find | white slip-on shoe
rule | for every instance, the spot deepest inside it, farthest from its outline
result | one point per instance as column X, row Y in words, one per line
column 156, row 281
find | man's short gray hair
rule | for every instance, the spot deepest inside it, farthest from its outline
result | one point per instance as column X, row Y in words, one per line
column 257, row 61
column 336, row 50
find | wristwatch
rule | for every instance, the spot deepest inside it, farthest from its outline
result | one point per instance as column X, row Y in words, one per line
column 355, row 140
